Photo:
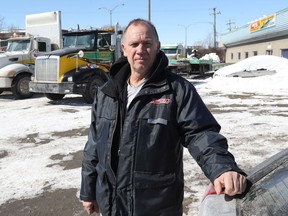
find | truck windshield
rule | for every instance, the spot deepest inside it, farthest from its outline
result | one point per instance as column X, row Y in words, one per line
column 18, row 45
column 170, row 51
column 79, row 41
column 104, row 41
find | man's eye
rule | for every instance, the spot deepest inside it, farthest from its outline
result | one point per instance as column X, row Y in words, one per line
column 148, row 44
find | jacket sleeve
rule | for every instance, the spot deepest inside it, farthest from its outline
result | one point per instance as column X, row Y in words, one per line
column 201, row 135
column 90, row 160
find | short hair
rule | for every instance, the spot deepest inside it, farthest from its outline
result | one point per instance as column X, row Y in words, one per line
column 141, row 22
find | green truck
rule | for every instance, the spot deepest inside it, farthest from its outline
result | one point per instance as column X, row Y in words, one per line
column 78, row 68
column 180, row 63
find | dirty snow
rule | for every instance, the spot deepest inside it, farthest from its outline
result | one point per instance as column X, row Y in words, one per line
column 37, row 136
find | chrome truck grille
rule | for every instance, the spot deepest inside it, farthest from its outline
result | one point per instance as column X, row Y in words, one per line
column 47, row 69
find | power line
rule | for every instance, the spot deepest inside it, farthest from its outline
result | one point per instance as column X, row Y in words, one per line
column 229, row 23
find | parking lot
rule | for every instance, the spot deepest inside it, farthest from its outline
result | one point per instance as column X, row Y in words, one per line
column 41, row 146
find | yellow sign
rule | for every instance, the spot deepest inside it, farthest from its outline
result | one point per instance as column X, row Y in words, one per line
column 263, row 23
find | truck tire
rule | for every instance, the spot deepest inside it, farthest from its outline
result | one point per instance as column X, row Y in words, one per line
column 20, row 86
column 54, row 97
column 92, row 84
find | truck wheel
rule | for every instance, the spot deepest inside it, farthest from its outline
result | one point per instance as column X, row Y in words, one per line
column 54, row 97
column 20, row 87
column 89, row 93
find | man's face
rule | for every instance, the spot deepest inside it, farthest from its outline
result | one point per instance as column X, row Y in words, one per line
column 140, row 46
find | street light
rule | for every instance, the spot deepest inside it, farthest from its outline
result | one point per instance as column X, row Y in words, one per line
column 185, row 27
column 111, row 10
column 194, row 23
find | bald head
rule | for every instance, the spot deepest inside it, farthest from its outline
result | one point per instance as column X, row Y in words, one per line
column 146, row 23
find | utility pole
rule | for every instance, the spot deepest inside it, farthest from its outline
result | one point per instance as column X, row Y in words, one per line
column 215, row 14
column 229, row 23
column 149, row 11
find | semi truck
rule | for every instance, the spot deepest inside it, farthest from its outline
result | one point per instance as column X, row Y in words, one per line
column 80, row 67
column 180, row 63
column 43, row 33
column 173, row 51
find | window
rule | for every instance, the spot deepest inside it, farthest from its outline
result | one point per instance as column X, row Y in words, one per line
column 284, row 53
column 246, row 54
column 18, row 45
column 239, row 56
column 231, row 56
column 42, row 46
column 255, row 53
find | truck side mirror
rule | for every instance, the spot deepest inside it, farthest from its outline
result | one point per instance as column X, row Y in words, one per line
column 81, row 54
column 35, row 53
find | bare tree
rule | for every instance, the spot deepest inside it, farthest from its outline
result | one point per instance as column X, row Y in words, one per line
column 13, row 28
column 1, row 23
column 209, row 41
column 10, row 28
column 206, row 42
column 199, row 44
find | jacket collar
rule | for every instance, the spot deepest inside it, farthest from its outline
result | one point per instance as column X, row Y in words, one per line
column 120, row 72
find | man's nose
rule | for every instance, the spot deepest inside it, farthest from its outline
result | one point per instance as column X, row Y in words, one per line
column 141, row 48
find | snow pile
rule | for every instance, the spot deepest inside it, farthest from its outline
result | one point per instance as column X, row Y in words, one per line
column 211, row 56
column 256, row 63
column 271, row 84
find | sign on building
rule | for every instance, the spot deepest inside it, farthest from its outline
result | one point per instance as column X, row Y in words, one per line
column 263, row 23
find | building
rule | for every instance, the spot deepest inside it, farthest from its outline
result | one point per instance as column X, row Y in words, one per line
column 6, row 35
column 266, row 36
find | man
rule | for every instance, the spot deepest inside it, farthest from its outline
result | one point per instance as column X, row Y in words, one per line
column 141, row 120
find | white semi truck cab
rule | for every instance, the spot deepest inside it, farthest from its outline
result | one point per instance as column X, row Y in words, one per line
column 17, row 63
column 173, row 51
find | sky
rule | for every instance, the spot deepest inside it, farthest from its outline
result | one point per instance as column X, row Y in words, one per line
column 171, row 18
column 251, row 111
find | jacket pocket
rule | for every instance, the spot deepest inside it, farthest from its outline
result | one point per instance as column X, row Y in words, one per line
column 144, row 180
column 156, row 193
column 157, row 147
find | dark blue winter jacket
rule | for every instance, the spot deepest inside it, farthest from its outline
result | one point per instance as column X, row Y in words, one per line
column 133, row 160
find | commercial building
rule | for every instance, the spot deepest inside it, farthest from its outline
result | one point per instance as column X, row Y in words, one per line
column 266, row 36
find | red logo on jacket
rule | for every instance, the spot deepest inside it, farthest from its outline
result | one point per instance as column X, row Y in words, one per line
column 161, row 101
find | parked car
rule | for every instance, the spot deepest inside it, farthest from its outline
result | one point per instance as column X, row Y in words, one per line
column 254, row 66
column 266, row 193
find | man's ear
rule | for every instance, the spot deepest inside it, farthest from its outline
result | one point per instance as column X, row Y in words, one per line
column 123, row 49
column 158, row 46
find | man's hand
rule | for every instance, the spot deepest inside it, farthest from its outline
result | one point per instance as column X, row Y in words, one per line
column 231, row 183
column 91, row 207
